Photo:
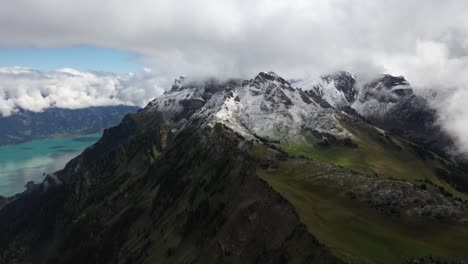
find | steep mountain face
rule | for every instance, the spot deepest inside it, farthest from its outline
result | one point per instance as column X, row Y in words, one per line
column 242, row 171
column 25, row 125
column 266, row 106
column 135, row 198
column 387, row 102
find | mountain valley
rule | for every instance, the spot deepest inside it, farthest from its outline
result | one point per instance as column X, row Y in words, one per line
column 24, row 126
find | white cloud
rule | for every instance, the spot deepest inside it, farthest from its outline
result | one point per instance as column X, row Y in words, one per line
column 241, row 37
column 443, row 79
column 426, row 41
column 33, row 90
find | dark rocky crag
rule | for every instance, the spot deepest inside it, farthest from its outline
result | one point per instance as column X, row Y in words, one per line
column 410, row 117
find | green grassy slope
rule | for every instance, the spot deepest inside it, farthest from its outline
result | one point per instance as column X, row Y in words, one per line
column 378, row 153
column 354, row 232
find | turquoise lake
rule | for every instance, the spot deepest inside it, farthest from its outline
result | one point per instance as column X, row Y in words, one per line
column 26, row 162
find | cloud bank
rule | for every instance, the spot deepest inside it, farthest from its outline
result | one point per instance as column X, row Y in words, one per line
column 33, row 90
column 425, row 41
column 241, row 37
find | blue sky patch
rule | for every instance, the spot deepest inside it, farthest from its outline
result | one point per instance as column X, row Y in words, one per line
column 83, row 58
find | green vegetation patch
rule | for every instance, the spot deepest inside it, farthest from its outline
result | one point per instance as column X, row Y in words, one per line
column 354, row 232
column 377, row 153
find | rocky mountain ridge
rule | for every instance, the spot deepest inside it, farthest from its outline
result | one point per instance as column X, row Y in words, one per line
column 242, row 171
column 270, row 107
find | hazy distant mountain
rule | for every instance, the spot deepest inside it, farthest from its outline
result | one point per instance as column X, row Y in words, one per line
column 56, row 122
column 249, row 171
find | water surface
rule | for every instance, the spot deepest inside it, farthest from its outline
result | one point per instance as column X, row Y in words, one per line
column 26, row 162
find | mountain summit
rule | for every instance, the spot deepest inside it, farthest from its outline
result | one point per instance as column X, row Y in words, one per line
column 266, row 106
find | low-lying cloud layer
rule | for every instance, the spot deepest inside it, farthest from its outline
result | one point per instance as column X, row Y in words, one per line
column 33, row 90
column 426, row 41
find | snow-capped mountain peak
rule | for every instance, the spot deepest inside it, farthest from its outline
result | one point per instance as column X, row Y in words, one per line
column 371, row 99
column 336, row 89
column 178, row 83
column 266, row 106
